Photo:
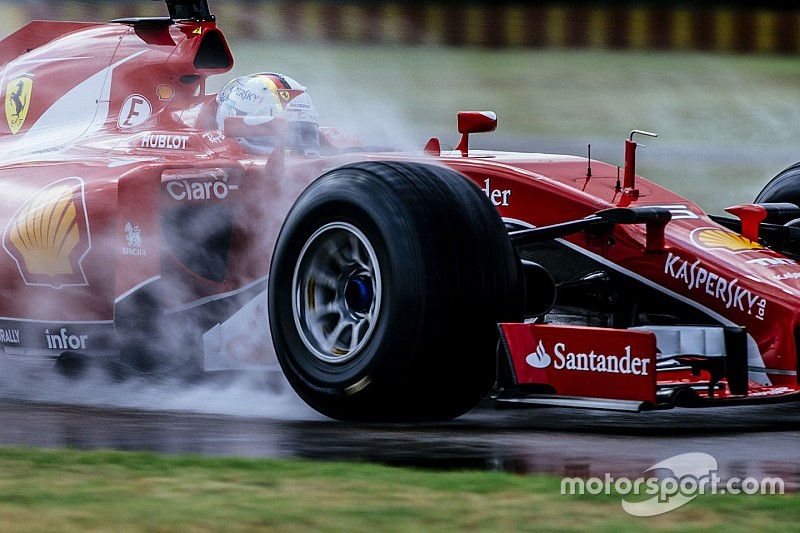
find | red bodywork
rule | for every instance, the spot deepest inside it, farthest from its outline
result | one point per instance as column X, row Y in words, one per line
column 108, row 135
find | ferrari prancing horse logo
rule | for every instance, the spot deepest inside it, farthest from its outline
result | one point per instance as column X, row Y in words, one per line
column 18, row 99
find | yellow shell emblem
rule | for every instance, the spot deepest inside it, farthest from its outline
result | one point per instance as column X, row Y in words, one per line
column 18, row 101
column 725, row 240
column 165, row 92
column 49, row 236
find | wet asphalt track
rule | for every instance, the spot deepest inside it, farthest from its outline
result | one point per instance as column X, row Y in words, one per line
column 751, row 441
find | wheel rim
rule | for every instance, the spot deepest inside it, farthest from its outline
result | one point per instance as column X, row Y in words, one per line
column 336, row 292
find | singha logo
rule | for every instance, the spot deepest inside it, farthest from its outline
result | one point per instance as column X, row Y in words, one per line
column 134, row 235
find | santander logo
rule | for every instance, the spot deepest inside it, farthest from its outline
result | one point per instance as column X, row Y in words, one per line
column 565, row 359
column 540, row 358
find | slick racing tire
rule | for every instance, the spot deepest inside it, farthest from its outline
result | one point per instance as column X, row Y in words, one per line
column 386, row 287
column 785, row 187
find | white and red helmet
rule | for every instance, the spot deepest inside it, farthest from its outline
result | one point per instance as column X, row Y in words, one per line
column 265, row 96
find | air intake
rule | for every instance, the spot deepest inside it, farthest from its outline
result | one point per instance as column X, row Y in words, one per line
column 213, row 53
column 196, row 10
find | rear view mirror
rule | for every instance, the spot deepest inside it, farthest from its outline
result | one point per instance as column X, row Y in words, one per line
column 476, row 121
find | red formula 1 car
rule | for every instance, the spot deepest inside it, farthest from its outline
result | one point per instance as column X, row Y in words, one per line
column 154, row 226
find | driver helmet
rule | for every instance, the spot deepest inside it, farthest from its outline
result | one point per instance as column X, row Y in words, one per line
column 264, row 97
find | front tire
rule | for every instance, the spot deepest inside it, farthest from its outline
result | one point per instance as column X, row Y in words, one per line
column 386, row 287
column 785, row 187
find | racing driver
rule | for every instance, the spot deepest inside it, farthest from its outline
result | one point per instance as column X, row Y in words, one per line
column 263, row 97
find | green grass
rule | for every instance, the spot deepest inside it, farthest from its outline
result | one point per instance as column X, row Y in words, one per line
column 68, row 490
column 726, row 123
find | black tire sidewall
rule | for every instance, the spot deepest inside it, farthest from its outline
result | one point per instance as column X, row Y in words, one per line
column 785, row 187
column 345, row 197
column 449, row 275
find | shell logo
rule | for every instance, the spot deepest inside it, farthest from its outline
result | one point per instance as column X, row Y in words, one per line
column 48, row 237
column 165, row 93
column 719, row 239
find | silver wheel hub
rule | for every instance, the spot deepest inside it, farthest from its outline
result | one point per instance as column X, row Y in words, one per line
column 336, row 292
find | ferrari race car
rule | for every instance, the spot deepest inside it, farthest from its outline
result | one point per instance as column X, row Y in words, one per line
column 140, row 229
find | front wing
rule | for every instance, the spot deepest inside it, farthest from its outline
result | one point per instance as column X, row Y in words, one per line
column 624, row 369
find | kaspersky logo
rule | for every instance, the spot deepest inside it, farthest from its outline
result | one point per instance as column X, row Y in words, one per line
column 48, row 237
column 564, row 359
column 18, row 100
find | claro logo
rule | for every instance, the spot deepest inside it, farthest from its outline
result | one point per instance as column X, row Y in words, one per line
column 207, row 189
column 563, row 359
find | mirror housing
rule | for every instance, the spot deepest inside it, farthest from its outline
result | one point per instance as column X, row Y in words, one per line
column 474, row 122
